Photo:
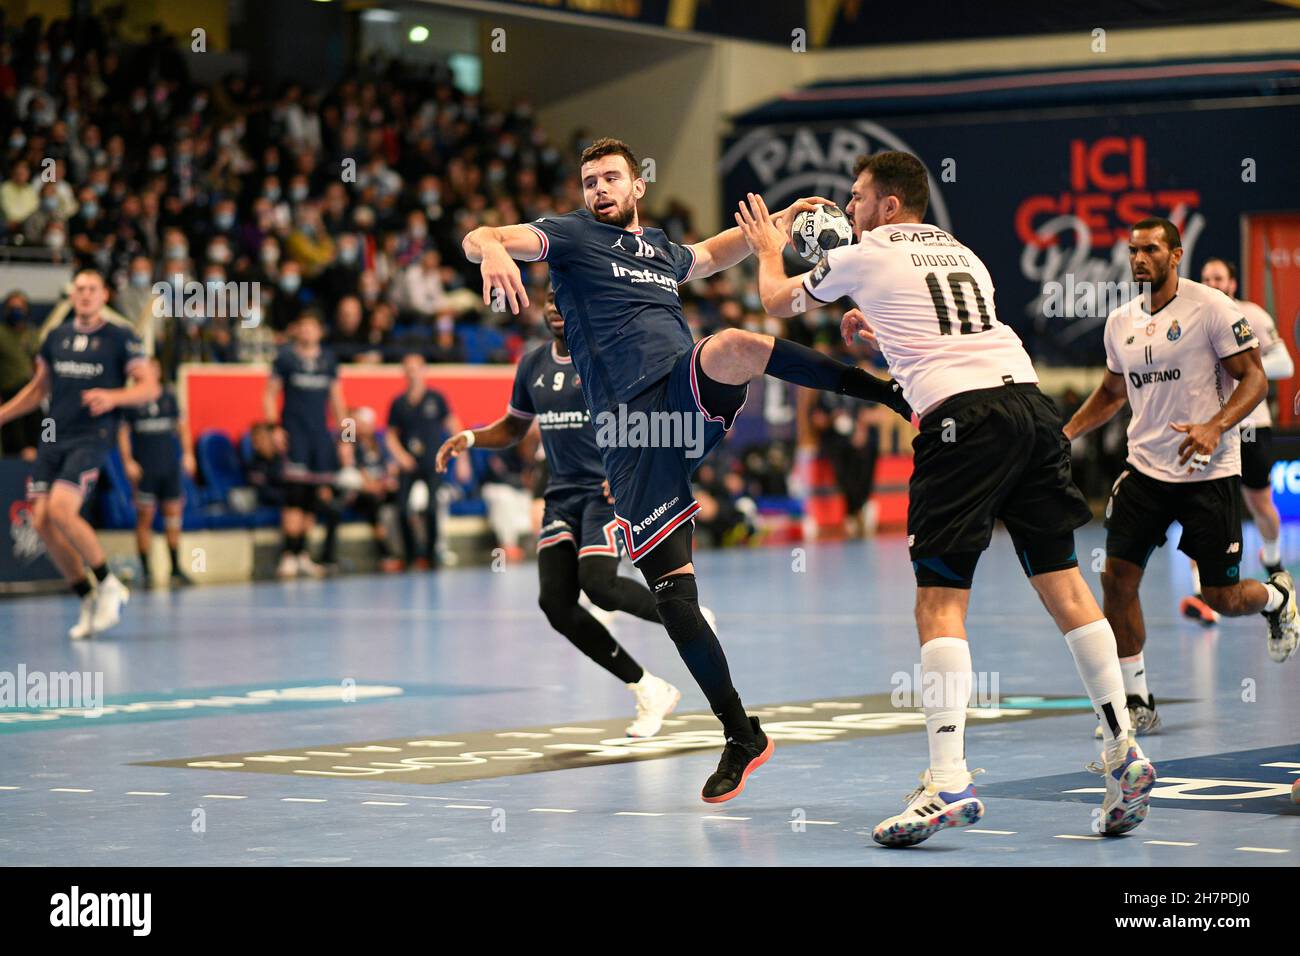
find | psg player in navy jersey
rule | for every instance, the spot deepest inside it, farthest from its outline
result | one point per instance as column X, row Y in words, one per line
column 616, row 284
column 89, row 368
column 307, row 374
column 148, row 440
column 577, row 549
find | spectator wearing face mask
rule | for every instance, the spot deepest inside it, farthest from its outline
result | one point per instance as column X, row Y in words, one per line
column 134, row 298
column 46, row 213
column 309, row 244
column 290, row 296
column 421, row 290
column 343, row 277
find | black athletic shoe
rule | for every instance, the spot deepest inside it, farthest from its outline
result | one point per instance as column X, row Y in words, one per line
column 738, row 761
column 181, row 580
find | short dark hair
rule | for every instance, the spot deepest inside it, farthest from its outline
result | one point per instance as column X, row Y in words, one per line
column 1173, row 239
column 898, row 174
column 1227, row 264
column 310, row 314
column 608, row 146
column 91, row 270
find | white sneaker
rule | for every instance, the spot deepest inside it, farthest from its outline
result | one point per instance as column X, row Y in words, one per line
column 1284, row 623
column 309, row 568
column 710, row 618
column 85, row 626
column 109, row 598
column 655, row 700
column 288, row 566
column 930, row 810
column 1129, row 779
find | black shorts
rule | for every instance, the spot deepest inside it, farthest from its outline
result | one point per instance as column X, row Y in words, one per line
column 1257, row 459
column 1142, row 508
column 312, row 458
column 159, row 485
column 987, row 455
column 72, row 461
column 584, row 518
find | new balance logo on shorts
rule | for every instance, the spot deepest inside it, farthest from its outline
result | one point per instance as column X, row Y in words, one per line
column 947, row 729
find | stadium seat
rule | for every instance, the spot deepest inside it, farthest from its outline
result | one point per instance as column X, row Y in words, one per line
column 219, row 466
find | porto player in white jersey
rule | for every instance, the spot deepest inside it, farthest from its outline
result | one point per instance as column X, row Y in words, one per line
column 990, row 447
column 1172, row 358
column 1256, row 438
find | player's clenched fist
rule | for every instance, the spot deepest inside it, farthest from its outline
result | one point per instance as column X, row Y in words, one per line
column 854, row 326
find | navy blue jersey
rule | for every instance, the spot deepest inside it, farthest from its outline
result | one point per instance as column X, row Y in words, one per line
column 617, row 291
column 422, row 426
column 80, row 360
column 549, row 389
column 372, row 460
column 153, row 433
column 307, row 383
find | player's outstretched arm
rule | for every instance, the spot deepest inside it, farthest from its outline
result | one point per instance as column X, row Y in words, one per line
column 502, row 433
column 1102, row 405
column 30, row 397
column 766, row 236
column 495, row 249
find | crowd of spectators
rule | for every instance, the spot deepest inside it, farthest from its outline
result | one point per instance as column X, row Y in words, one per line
column 351, row 200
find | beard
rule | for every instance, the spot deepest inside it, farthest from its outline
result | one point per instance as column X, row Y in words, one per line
column 620, row 216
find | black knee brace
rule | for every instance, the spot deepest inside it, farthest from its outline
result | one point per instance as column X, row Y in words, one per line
column 678, row 601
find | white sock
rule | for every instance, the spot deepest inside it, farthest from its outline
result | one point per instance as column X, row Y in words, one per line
column 1196, row 579
column 1270, row 551
column 1135, row 676
column 1101, row 670
column 1275, row 598
column 944, row 697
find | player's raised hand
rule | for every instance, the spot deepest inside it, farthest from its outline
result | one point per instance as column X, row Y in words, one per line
column 855, row 327
column 785, row 218
column 762, row 235
column 452, row 447
column 1199, row 445
column 502, row 272
column 99, row 400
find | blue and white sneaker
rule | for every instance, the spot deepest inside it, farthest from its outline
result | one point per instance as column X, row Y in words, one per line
column 1129, row 780
column 928, row 811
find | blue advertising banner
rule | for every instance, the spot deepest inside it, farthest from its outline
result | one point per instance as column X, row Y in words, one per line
column 22, row 554
column 1045, row 197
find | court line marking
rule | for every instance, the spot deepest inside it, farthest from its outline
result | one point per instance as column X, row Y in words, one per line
column 992, row 832
column 1169, row 843
column 711, row 816
column 301, row 800
column 69, row 790
column 381, row 803
column 222, row 796
column 1074, row 836
column 821, row 823
column 636, row 813
column 468, row 806
column 10, row 788
column 1261, row 849
column 549, row 810
column 147, row 793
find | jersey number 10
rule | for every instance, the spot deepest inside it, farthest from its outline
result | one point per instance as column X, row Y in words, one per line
column 955, row 282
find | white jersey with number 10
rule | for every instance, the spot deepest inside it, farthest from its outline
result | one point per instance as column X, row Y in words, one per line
column 929, row 300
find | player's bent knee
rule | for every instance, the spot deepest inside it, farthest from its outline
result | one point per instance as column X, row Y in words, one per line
column 677, row 599
column 596, row 577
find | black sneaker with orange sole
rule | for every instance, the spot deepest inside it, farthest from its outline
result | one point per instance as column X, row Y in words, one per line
column 739, row 760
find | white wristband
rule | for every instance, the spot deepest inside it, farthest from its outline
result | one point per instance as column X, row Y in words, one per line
column 469, row 438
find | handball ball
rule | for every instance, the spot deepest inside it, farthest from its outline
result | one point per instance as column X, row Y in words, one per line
column 817, row 231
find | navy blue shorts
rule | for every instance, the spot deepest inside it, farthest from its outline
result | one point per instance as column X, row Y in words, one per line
column 72, row 461
column 650, row 473
column 159, row 484
column 312, row 456
column 582, row 517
